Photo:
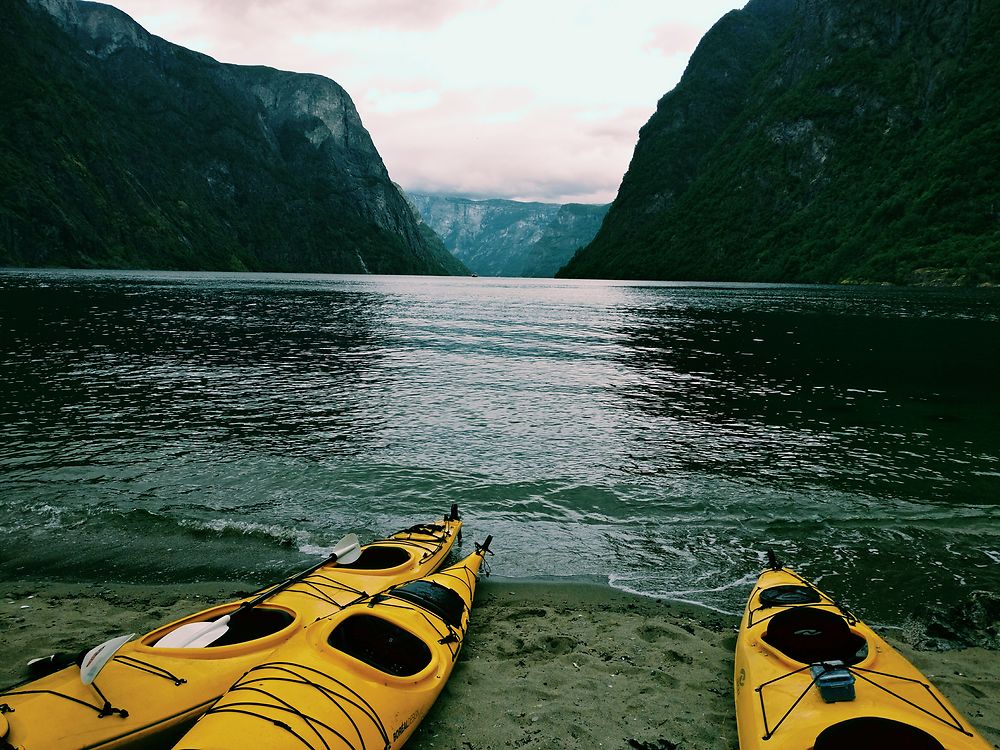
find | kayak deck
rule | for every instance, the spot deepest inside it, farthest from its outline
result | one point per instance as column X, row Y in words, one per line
column 363, row 677
column 146, row 692
column 877, row 699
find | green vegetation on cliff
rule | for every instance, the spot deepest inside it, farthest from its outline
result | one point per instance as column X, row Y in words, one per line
column 820, row 141
column 123, row 150
column 498, row 237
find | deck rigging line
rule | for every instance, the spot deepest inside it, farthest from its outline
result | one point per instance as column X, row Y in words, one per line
column 288, row 672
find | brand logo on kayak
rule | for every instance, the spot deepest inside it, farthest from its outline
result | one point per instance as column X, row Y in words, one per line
column 405, row 725
column 740, row 680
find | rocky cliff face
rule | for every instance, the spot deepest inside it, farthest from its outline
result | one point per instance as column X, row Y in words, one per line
column 509, row 238
column 145, row 154
column 821, row 141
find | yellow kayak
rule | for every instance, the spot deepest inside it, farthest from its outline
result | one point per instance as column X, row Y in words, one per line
column 362, row 678
column 154, row 687
column 810, row 676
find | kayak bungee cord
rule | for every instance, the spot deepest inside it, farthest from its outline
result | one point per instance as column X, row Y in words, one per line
column 830, row 602
column 102, row 711
column 106, row 710
column 318, row 581
column 788, row 598
column 328, row 693
column 309, row 721
column 769, row 733
column 325, row 596
column 856, row 671
column 353, row 699
column 464, row 581
column 284, row 706
column 153, row 669
column 361, row 704
column 926, row 686
column 428, row 529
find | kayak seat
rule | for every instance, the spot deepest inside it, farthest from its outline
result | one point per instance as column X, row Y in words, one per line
column 810, row 635
column 381, row 644
column 870, row 733
column 252, row 624
column 378, row 557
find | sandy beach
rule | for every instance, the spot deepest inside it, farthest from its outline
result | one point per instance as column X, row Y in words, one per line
column 546, row 665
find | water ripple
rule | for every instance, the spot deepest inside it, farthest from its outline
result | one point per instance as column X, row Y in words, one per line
column 163, row 426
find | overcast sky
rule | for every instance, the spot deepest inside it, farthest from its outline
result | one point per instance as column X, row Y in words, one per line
column 523, row 99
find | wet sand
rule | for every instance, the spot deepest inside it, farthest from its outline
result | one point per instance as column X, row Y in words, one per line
column 546, row 665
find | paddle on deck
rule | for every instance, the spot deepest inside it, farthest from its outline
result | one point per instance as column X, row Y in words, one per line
column 201, row 634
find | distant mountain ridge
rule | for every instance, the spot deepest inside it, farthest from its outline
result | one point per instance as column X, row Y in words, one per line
column 498, row 237
column 120, row 149
column 820, row 141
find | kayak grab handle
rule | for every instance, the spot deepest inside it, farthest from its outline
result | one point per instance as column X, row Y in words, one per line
column 772, row 560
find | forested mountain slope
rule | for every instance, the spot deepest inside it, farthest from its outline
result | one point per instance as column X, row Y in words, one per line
column 498, row 237
column 119, row 149
column 820, row 141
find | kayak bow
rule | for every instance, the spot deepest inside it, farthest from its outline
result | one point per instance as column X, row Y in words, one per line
column 154, row 693
column 810, row 676
column 361, row 678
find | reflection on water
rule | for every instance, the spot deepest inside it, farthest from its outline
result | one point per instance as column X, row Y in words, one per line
column 818, row 394
column 161, row 426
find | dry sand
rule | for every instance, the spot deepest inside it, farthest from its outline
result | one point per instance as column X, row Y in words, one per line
column 546, row 665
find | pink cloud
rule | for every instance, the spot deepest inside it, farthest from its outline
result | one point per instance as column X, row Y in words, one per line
column 675, row 39
column 248, row 32
column 543, row 155
column 506, row 98
column 274, row 16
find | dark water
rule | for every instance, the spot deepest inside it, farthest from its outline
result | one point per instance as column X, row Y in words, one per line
column 166, row 427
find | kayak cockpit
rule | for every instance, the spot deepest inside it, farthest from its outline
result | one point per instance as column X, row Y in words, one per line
column 785, row 595
column 253, row 624
column 437, row 599
column 809, row 636
column 379, row 557
column 249, row 625
column 381, row 644
column 870, row 733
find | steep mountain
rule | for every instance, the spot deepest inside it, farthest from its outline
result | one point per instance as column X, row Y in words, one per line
column 510, row 238
column 820, row 141
column 119, row 149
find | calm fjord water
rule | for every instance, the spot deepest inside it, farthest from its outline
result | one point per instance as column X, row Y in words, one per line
column 167, row 427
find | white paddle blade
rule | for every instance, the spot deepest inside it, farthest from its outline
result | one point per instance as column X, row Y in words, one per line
column 193, row 634
column 348, row 549
column 211, row 635
column 95, row 659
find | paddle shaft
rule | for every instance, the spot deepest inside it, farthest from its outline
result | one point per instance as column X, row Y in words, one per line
column 283, row 585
